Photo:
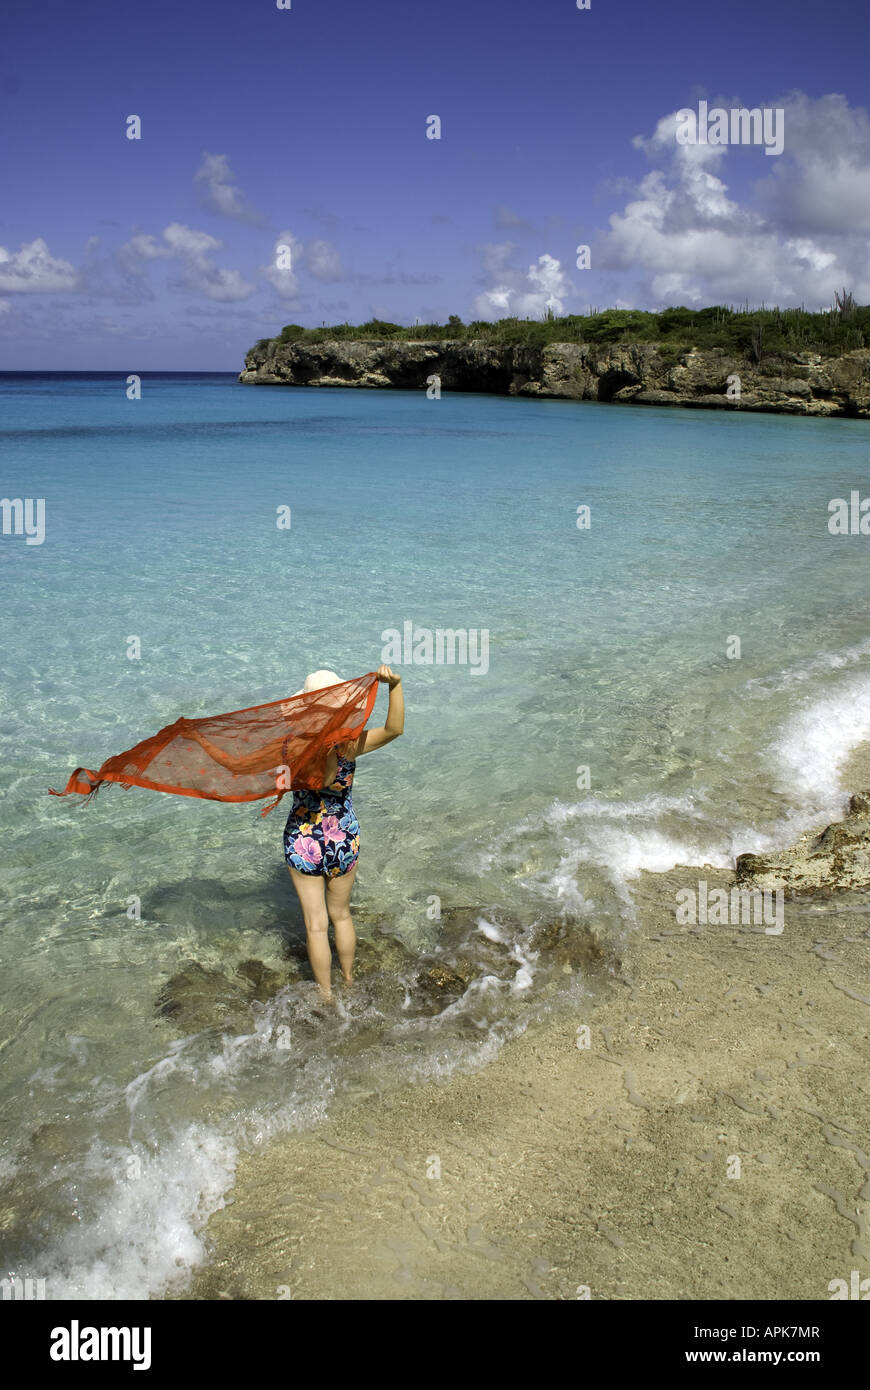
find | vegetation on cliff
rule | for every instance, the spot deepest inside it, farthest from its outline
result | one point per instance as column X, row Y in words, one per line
column 755, row 334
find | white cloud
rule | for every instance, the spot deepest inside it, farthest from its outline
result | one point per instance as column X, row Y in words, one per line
column 33, row 270
column 141, row 247
column 323, row 261
column 191, row 249
column 804, row 234
column 824, row 187
column 188, row 243
column 320, row 258
column 220, row 193
column 524, row 294
column 283, row 278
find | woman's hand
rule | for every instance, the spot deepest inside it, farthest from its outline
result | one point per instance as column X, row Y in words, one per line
column 394, row 724
column 388, row 675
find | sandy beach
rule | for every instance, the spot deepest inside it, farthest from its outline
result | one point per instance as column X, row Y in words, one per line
column 708, row 1142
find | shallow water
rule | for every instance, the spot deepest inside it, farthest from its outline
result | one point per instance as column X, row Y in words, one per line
column 130, row 1081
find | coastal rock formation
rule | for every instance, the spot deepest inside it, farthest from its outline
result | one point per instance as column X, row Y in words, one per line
column 838, row 858
column 636, row 373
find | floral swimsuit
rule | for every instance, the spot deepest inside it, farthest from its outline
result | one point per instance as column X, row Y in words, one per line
column 322, row 833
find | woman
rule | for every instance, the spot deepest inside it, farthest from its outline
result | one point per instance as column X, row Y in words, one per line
column 321, row 838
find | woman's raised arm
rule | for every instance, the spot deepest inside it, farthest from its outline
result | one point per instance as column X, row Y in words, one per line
column 394, row 725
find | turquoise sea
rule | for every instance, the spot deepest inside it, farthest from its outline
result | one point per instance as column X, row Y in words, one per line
column 612, row 648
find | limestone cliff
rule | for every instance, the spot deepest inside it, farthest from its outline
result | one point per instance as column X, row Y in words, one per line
column 807, row 384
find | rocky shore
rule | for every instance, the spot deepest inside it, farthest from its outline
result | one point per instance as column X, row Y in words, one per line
column 637, row 374
column 836, row 859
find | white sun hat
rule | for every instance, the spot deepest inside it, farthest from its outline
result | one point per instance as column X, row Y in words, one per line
column 317, row 680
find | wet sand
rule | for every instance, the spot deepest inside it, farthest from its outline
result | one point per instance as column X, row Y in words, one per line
column 709, row 1142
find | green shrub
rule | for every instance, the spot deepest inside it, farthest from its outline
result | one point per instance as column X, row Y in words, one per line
column 379, row 328
column 756, row 335
column 671, row 352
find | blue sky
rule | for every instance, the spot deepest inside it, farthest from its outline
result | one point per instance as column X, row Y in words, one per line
column 307, row 127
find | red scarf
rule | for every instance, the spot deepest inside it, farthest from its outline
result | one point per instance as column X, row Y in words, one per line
column 248, row 754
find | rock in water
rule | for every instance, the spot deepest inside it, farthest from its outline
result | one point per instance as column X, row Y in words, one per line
column 568, row 942
column 196, row 998
column 446, row 979
column 265, row 983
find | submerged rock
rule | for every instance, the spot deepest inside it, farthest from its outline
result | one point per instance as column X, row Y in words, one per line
column 569, row 942
column 836, row 859
column 50, row 1138
column 448, row 979
column 375, row 953
column 561, row 942
column 264, row 983
column 196, row 997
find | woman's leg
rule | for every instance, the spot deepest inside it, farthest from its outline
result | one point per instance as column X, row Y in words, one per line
column 338, row 906
column 309, row 888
